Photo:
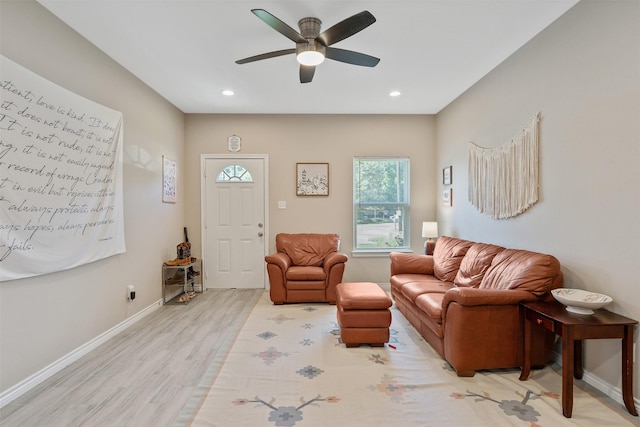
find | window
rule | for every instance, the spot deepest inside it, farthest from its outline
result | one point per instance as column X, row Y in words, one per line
column 234, row 173
column 381, row 203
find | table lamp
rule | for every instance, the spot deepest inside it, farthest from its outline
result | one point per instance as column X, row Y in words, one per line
column 430, row 231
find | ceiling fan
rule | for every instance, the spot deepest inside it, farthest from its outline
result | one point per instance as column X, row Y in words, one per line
column 312, row 47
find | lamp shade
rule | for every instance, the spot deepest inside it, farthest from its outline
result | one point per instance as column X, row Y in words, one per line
column 429, row 229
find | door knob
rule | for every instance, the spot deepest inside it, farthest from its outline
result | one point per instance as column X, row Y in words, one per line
column 260, row 234
column 260, row 224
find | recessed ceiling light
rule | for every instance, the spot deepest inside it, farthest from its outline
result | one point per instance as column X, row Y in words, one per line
column 394, row 93
column 227, row 92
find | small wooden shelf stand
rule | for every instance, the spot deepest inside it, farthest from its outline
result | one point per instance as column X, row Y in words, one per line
column 177, row 280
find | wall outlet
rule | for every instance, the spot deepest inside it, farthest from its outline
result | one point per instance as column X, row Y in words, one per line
column 131, row 293
column 282, row 204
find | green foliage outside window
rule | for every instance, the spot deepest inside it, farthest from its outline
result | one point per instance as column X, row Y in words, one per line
column 381, row 203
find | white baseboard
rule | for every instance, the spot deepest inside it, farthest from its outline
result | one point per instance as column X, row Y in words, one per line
column 24, row 386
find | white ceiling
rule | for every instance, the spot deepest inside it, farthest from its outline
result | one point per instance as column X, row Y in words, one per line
column 431, row 51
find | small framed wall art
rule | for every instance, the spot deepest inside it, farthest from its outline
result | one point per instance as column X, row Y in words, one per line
column 312, row 179
column 168, row 180
column 447, row 197
column 234, row 143
column 447, row 175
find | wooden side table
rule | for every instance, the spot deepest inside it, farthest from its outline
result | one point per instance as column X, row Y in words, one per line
column 574, row 329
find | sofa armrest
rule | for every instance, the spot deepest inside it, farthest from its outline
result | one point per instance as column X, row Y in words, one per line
column 334, row 258
column 334, row 264
column 476, row 297
column 280, row 259
column 410, row 263
column 482, row 330
column 277, row 265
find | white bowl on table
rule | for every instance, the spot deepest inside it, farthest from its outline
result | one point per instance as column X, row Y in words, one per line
column 579, row 301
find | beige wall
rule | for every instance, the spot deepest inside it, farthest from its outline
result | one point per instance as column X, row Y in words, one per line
column 334, row 139
column 583, row 75
column 45, row 318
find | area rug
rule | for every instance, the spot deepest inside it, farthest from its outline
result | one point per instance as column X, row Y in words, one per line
column 288, row 367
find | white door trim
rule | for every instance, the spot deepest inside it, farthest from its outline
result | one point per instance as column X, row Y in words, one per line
column 203, row 225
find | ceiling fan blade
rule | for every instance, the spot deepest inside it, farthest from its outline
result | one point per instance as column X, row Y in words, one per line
column 279, row 26
column 306, row 73
column 266, row 56
column 351, row 57
column 346, row 28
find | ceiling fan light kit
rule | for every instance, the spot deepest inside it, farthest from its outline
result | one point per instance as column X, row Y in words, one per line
column 311, row 54
column 312, row 47
column 310, row 57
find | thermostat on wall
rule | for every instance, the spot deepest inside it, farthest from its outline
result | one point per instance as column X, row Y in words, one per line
column 234, row 143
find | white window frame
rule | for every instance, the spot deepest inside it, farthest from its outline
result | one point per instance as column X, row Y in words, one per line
column 234, row 173
column 404, row 225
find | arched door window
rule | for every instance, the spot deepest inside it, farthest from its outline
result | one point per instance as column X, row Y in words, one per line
column 234, row 173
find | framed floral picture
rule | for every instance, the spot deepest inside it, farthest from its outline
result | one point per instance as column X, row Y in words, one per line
column 447, row 197
column 312, row 179
column 168, row 180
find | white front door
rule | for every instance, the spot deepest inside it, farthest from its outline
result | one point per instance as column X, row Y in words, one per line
column 233, row 223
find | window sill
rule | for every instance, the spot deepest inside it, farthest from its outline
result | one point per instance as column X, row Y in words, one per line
column 377, row 253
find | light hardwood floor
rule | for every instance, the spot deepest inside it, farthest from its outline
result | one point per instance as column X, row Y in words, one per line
column 145, row 375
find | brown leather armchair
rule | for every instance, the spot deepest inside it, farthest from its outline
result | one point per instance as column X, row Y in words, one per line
column 306, row 268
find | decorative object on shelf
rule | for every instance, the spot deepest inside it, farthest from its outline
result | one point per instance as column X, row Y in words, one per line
column 234, row 142
column 579, row 301
column 503, row 181
column 186, row 297
column 183, row 250
column 168, row 180
column 447, row 197
column 430, row 231
column 312, row 179
column 447, row 175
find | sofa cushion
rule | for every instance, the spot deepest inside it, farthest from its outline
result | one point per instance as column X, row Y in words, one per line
column 447, row 257
column 431, row 305
column 412, row 290
column 475, row 264
column 399, row 280
column 305, row 273
column 307, row 248
column 520, row 269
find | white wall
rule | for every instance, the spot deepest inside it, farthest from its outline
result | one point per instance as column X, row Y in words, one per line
column 44, row 318
column 335, row 139
column 583, row 74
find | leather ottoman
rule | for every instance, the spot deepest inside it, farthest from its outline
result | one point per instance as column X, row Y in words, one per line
column 363, row 313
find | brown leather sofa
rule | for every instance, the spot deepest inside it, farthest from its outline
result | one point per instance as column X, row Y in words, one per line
column 464, row 300
column 306, row 268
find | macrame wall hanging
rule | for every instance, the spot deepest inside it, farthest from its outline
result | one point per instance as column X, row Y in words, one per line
column 503, row 181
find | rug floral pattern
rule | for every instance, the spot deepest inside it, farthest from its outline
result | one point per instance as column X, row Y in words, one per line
column 288, row 367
